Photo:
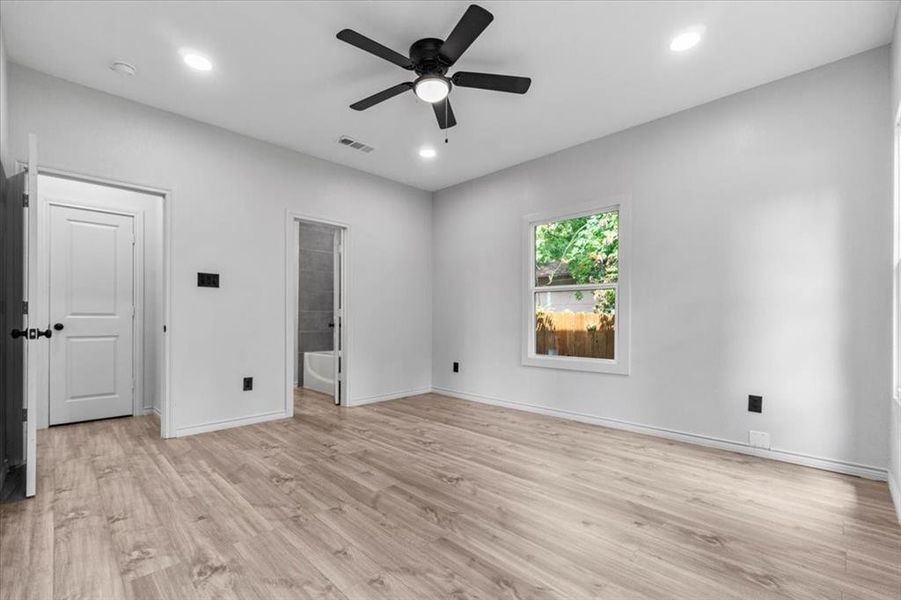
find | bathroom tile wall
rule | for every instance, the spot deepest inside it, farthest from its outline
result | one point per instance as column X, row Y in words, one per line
column 315, row 291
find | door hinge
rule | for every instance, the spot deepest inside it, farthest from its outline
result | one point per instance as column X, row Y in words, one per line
column 25, row 199
column 24, row 307
column 24, row 414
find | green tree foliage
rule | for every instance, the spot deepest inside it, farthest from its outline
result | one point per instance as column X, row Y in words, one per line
column 580, row 250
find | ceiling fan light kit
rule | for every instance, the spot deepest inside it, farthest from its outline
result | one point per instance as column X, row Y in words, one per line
column 432, row 88
column 430, row 58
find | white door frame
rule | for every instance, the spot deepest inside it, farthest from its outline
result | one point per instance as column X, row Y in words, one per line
column 39, row 308
column 292, row 247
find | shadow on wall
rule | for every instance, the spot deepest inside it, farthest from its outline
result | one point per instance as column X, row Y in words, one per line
column 315, row 293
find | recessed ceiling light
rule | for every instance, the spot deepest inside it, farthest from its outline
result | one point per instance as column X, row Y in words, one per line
column 123, row 68
column 427, row 152
column 686, row 40
column 197, row 62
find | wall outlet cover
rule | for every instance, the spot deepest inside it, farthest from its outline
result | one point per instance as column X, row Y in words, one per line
column 456, row 367
column 755, row 404
column 208, row 280
column 248, row 384
column 759, row 439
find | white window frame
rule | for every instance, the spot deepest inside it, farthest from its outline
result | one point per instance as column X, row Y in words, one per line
column 619, row 365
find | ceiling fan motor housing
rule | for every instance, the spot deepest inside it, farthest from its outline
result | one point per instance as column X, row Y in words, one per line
column 426, row 58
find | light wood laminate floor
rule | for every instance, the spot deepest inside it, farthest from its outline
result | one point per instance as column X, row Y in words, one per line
column 432, row 497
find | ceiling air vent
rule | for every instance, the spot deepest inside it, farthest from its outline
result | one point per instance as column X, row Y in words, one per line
column 352, row 143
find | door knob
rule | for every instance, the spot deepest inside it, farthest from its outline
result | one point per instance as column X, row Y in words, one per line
column 47, row 333
column 17, row 333
column 58, row 326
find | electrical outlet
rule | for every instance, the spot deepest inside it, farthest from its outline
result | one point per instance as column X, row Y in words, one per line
column 248, row 384
column 759, row 439
column 755, row 404
column 456, row 367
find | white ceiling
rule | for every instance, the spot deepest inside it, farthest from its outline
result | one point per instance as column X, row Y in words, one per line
column 281, row 75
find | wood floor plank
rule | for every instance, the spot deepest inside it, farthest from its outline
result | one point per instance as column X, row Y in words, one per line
column 432, row 497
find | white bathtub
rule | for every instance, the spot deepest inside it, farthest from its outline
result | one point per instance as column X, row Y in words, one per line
column 319, row 371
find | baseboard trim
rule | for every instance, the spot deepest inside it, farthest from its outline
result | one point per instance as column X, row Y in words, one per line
column 895, row 491
column 825, row 464
column 385, row 397
column 229, row 423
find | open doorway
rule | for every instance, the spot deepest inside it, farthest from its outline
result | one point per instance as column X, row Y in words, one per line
column 319, row 361
column 102, row 252
column 95, row 302
column 100, row 249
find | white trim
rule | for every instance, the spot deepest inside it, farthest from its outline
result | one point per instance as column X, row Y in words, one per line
column 166, row 398
column 896, row 260
column 292, row 284
column 291, row 278
column 31, row 362
column 620, row 364
column 895, row 492
column 806, row 460
column 229, row 423
column 386, row 397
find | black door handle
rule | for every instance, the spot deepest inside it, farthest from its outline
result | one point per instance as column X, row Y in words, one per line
column 58, row 326
column 17, row 333
column 47, row 334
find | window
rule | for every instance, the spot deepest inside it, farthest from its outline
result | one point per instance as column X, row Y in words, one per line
column 576, row 304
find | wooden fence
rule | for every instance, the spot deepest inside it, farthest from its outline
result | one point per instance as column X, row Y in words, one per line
column 566, row 333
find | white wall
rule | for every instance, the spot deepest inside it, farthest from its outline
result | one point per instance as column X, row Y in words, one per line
column 4, row 111
column 761, row 241
column 896, row 61
column 895, row 417
column 231, row 195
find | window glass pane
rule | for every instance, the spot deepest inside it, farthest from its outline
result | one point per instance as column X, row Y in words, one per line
column 578, row 251
column 575, row 323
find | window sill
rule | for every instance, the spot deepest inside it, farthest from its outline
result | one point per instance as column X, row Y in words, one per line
column 573, row 363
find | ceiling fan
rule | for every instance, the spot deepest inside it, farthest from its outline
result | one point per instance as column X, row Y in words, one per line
column 430, row 58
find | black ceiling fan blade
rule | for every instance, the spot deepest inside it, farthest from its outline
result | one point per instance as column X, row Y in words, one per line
column 364, row 43
column 374, row 99
column 440, row 114
column 490, row 81
column 471, row 25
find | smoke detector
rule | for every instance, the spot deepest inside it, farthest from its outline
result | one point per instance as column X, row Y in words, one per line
column 349, row 142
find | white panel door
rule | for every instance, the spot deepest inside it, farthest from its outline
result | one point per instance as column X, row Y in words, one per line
column 91, row 312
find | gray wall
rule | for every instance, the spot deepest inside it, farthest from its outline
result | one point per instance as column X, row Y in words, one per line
column 315, row 291
column 761, row 243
